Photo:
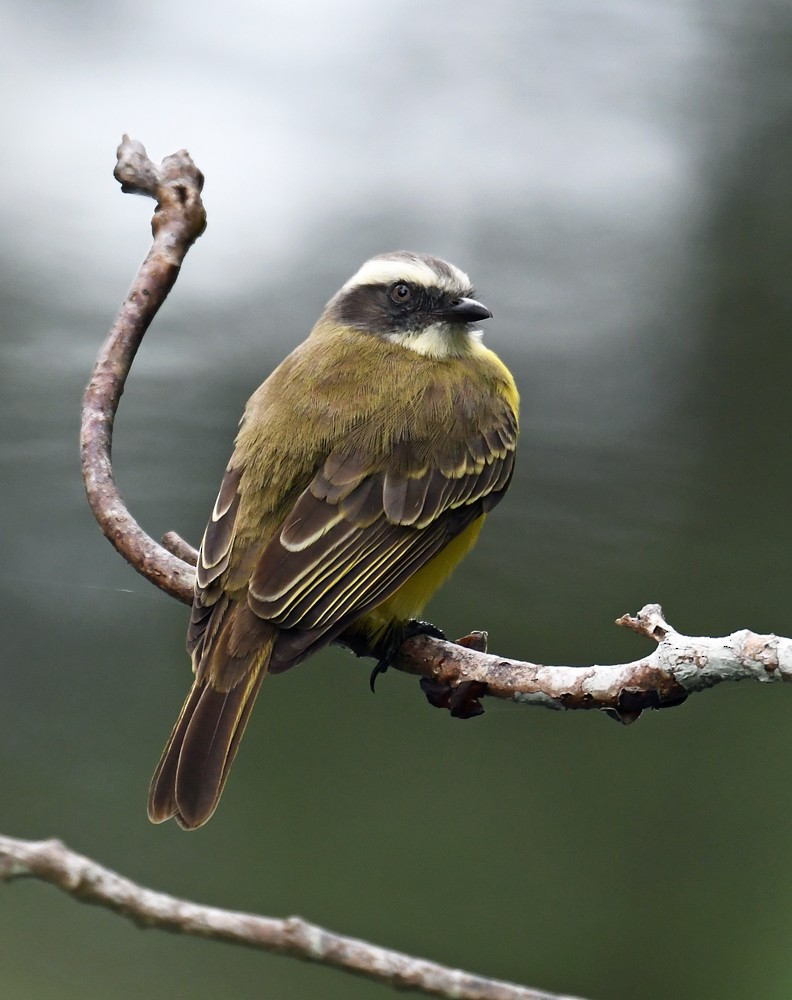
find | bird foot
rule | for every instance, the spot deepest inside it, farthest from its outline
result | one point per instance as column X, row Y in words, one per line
column 388, row 649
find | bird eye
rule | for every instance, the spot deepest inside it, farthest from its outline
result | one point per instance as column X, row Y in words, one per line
column 401, row 293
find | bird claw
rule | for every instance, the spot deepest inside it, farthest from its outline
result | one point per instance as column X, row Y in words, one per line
column 393, row 643
column 380, row 668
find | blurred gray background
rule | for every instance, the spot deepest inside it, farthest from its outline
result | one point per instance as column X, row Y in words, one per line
column 616, row 178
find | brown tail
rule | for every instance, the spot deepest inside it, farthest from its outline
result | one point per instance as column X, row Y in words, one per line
column 192, row 771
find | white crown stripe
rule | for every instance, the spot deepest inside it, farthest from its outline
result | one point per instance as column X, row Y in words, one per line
column 385, row 270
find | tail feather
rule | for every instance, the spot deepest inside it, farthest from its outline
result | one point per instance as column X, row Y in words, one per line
column 192, row 772
column 162, row 791
column 194, row 766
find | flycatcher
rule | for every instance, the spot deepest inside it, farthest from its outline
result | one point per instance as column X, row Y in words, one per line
column 363, row 470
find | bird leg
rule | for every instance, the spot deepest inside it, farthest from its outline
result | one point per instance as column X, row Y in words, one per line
column 387, row 648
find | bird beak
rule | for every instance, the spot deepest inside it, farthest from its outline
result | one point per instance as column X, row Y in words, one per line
column 464, row 311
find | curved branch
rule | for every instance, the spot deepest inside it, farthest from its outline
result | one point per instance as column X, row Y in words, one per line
column 179, row 220
column 51, row 861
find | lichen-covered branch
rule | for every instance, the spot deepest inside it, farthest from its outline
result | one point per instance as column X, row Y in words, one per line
column 680, row 665
column 51, row 861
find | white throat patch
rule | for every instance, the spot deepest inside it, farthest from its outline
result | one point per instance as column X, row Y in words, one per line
column 440, row 340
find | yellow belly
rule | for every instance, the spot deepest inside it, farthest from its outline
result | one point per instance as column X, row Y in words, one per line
column 413, row 595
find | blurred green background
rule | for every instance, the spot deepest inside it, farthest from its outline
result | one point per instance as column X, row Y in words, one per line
column 616, row 178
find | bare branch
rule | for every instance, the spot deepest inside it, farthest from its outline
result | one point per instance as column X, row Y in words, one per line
column 179, row 220
column 51, row 861
column 182, row 550
column 680, row 665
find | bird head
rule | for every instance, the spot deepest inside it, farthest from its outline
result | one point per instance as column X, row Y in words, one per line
column 415, row 300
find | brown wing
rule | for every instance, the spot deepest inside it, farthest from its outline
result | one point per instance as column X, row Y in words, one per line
column 356, row 534
column 213, row 560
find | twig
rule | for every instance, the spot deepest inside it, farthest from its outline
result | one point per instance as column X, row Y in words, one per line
column 182, row 550
column 51, row 861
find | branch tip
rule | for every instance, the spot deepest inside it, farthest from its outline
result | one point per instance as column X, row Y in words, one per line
column 178, row 547
column 649, row 622
column 134, row 170
column 476, row 640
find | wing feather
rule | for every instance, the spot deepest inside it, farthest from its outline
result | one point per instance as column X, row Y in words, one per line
column 364, row 505
column 219, row 535
column 354, row 535
column 310, row 520
column 403, row 497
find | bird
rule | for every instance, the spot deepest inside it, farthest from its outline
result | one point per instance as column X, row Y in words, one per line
column 363, row 469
